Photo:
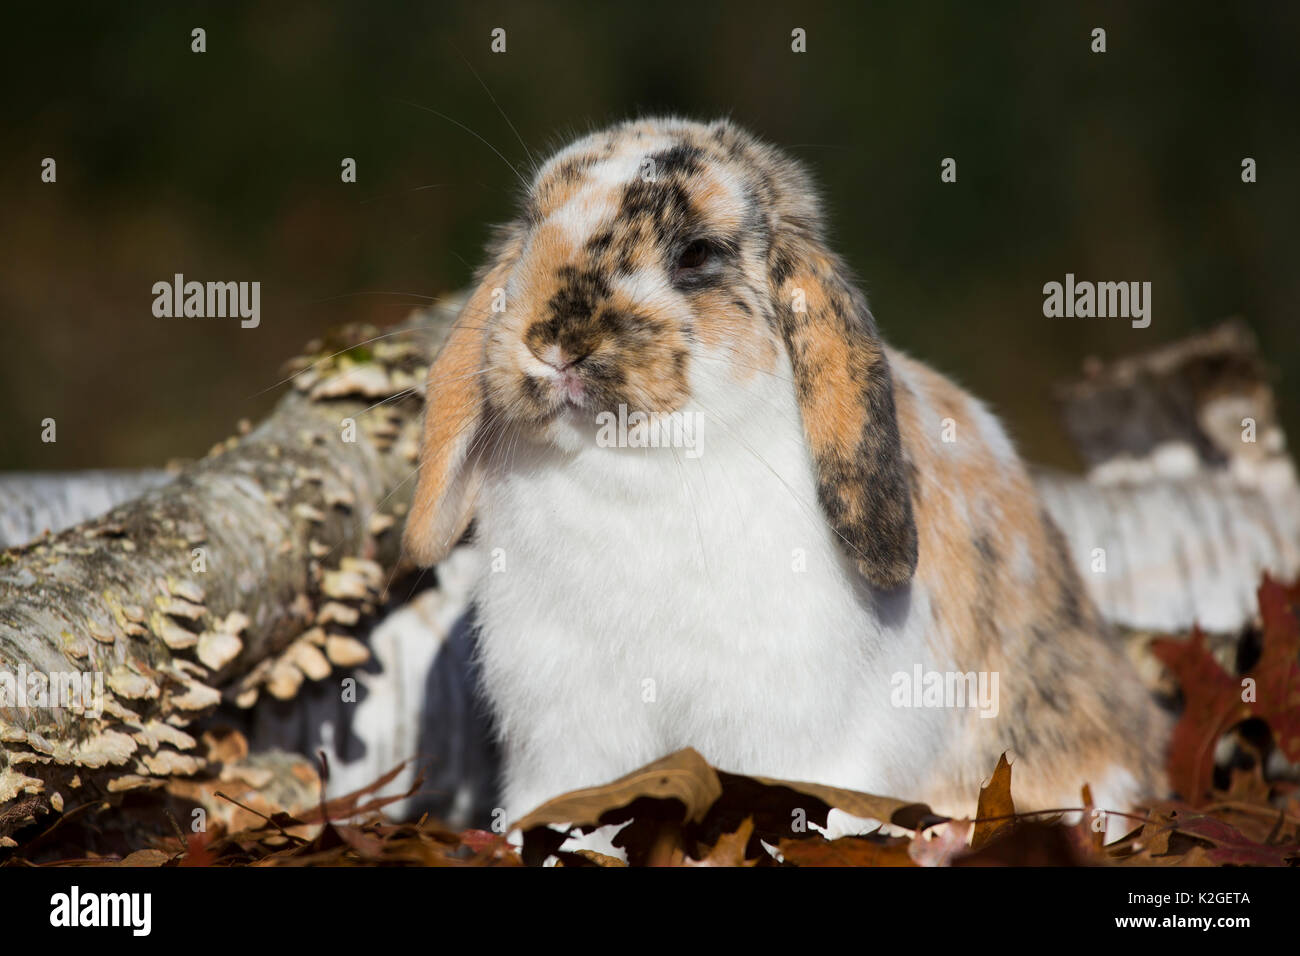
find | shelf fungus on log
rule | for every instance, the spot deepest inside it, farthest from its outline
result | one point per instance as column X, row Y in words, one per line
column 118, row 633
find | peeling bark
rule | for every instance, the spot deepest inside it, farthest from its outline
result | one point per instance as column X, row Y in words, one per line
column 38, row 502
column 237, row 578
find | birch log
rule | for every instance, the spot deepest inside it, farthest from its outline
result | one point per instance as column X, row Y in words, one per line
column 1191, row 494
column 36, row 502
column 241, row 577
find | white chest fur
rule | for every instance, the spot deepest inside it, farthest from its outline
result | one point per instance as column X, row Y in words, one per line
column 639, row 600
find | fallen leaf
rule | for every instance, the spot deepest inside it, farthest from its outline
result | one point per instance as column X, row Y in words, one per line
column 729, row 850
column 146, row 858
column 848, row 851
column 1213, row 699
column 683, row 776
column 995, row 813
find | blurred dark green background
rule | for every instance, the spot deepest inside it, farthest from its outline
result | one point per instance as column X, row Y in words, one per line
column 225, row 166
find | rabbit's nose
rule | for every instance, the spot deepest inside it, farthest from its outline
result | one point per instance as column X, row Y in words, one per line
column 558, row 357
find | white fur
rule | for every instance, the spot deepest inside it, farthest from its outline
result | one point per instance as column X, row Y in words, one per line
column 627, row 565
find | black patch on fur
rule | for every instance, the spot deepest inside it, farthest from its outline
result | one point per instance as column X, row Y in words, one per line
column 865, row 493
column 664, row 203
column 781, row 265
column 682, row 159
column 534, row 389
column 581, row 289
column 601, row 241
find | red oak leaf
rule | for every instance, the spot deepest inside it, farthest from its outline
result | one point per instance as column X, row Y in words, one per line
column 1214, row 700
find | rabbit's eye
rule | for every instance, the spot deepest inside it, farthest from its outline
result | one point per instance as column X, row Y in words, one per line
column 697, row 254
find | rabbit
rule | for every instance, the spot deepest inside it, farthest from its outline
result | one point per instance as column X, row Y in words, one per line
column 823, row 521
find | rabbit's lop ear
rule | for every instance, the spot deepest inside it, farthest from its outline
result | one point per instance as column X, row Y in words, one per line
column 450, row 475
column 846, row 398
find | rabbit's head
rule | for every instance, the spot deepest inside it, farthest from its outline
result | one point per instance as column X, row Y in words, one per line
column 652, row 264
